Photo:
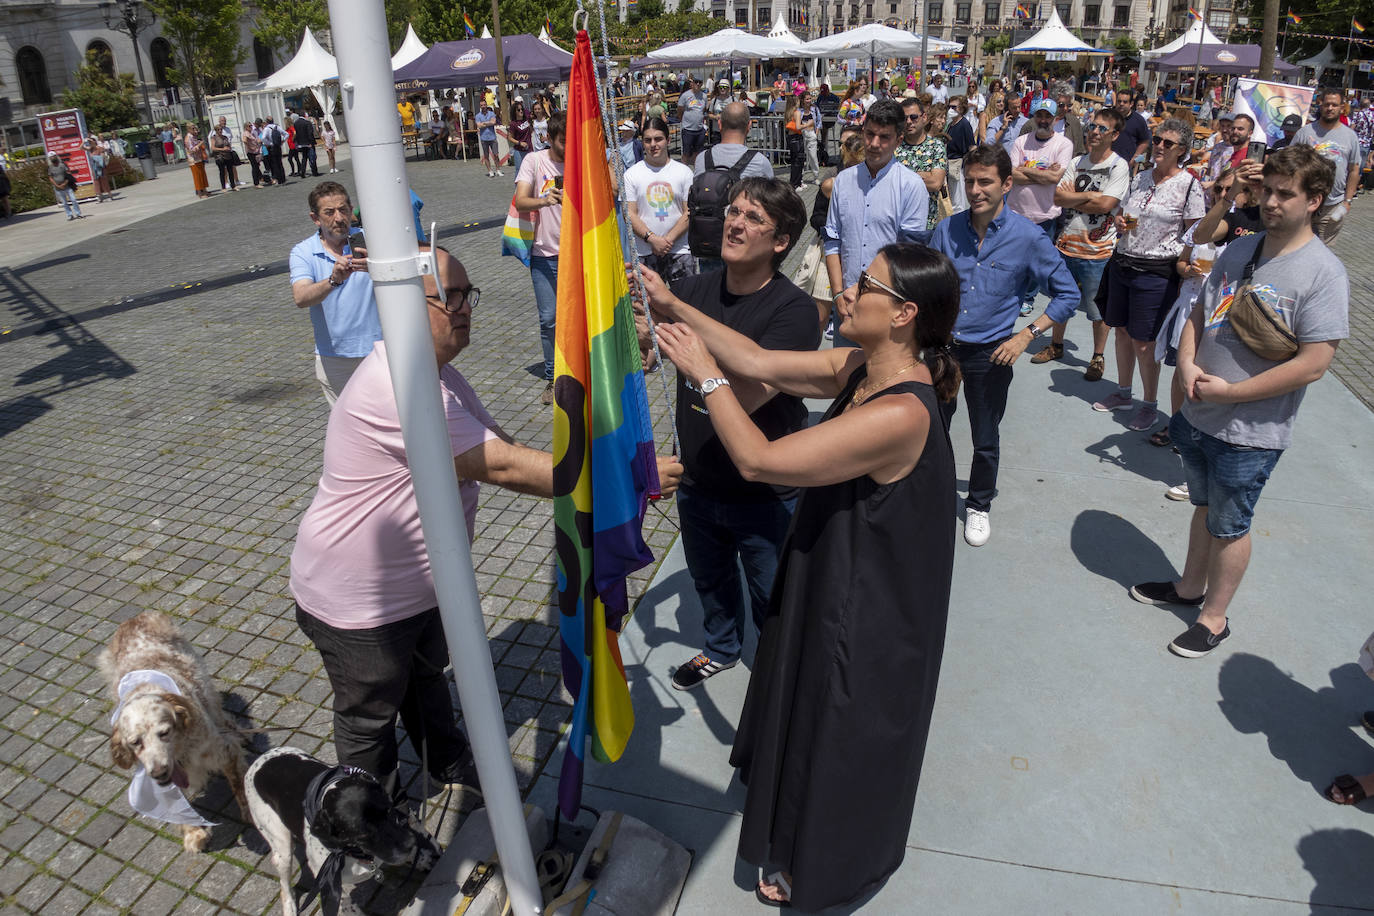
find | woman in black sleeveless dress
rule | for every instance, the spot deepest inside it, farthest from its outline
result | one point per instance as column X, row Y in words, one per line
column 834, row 726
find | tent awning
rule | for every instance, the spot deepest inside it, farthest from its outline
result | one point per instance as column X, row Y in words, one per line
column 462, row 64
column 1216, row 59
column 876, row 40
column 1323, row 59
column 312, row 66
column 1054, row 37
column 409, row 50
column 735, row 44
column 1197, row 34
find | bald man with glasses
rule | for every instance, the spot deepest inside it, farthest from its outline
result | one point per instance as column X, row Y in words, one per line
column 360, row 572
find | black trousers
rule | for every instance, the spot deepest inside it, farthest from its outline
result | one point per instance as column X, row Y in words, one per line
column 380, row 673
column 255, row 160
column 797, row 151
column 274, row 166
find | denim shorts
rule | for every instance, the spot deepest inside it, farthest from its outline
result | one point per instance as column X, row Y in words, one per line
column 1225, row 478
column 1088, row 275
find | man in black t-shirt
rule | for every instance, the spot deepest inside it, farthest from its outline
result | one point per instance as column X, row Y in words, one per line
column 726, row 521
column 305, row 143
column 1134, row 138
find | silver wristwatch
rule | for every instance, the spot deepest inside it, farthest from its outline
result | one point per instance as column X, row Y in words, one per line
column 711, row 384
column 1035, row 332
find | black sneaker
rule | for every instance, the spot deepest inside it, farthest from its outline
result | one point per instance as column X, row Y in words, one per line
column 1162, row 593
column 1197, row 641
column 695, row 672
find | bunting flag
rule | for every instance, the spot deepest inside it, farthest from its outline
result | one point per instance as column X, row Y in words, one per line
column 1294, row 18
column 604, row 467
column 1355, row 24
column 468, row 27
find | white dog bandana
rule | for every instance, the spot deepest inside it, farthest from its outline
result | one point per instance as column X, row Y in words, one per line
column 163, row 803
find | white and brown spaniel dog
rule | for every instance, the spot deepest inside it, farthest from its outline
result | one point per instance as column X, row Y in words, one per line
column 169, row 721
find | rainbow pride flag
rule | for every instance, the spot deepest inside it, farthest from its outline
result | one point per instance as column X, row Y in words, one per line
column 1355, row 25
column 468, row 27
column 604, row 467
column 1193, row 15
column 1294, row 18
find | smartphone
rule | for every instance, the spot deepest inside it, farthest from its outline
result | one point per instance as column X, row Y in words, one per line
column 356, row 241
column 1256, row 150
column 558, row 182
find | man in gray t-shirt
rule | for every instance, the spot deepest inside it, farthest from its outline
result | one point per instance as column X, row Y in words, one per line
column 691, row 111
column 734, row 130
column 1238, row 417
column 1341, row 147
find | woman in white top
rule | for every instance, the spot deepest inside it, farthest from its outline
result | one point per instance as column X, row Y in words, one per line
column 656, row 191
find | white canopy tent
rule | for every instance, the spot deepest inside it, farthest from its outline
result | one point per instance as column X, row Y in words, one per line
column 1197, row 34
column 1325, row 58
column 1054, row 37
column 410, row 49
column 312, row 68
column 486, row 32
column 728, row 43
column 544, row 37
column 875, row 40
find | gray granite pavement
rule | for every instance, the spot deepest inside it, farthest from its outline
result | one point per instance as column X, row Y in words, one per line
column 161, row 437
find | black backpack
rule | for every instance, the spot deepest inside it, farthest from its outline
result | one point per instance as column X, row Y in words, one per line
column 706, row 203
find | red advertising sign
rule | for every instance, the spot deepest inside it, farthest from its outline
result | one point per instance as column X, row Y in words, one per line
column 63, row 133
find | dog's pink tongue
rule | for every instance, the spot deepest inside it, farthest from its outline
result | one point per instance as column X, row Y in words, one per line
column 179, row 777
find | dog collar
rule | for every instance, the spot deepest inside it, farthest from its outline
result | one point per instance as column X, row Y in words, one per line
column 137, row 678
column 329, row 880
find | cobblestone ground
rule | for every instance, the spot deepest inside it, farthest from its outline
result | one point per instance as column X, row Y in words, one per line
column 162, row 432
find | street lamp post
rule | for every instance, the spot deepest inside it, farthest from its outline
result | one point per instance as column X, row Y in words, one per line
column 129, row 21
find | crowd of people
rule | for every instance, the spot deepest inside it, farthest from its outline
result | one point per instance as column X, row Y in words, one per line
column 1219, row 268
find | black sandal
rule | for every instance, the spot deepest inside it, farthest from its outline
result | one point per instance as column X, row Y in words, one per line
column 1367, row 720
column 1352, row 793
column 1160, row 437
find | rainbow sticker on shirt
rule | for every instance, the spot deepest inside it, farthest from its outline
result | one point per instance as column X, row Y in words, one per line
column 1222, row 308
column 548, row 185
column 1328, row 149
column 659, row 196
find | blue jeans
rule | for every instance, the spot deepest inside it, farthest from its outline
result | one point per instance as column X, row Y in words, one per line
column 67, row 198
column 717, row 538
column 308, row 155
column 544, row 276
column 1088, row 275
column 1225, row 478
column 516, row 157
column 985, row 389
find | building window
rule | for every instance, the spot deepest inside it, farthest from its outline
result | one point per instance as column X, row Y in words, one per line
column 1219, row 21
column 33, row 76
column 99, row 53
column 892, row 8
column 1216, row 5
column 1121, row 17
column 992, row 13
column 868, row 10
column 262, row 59
column 935, row 12
column 160, row 50
column 963, row 12
column 1092, row 15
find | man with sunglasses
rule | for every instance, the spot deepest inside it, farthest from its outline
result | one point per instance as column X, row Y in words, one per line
column 360, row 572
column 331, row 279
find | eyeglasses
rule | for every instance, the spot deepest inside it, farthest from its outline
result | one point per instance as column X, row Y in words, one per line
column 1098, row 128
column 453, row 300
column 915, row 117
column 1165, row 143
column 867, row 282
column 750, row 217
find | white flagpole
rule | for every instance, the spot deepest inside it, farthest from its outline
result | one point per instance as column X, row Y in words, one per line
column 366, row 84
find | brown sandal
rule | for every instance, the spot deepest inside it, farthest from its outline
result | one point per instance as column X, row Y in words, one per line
column 1352, row 793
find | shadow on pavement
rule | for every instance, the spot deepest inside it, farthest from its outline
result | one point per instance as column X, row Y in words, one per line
column 1338, row 861
column 1109, row 546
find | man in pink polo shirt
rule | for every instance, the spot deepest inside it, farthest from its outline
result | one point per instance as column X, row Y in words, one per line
column 360, row 573
column 1038, row 160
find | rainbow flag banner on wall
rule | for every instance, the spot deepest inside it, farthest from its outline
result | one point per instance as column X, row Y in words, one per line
column 603, row 451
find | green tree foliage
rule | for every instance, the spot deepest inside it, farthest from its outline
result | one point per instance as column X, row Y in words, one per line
column 1127, row 46
column 399, row 14
column 205, row 41
column 638, row 37
column 109, row 102
column 996, row 44
column 645, row 11
column 281, row 24
column 1319, row 17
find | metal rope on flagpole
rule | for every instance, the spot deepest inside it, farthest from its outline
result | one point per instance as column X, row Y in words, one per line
column 608, row 125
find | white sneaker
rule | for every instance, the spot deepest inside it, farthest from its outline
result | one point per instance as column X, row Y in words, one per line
column 977, row 528
column 501, row 173
column 1178, row 494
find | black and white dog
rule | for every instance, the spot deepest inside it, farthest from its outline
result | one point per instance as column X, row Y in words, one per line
column 341, row 815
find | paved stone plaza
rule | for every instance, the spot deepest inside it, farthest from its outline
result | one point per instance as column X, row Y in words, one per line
column 162, row 432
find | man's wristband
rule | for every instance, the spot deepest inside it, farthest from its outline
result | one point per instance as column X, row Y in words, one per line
column 333, row 284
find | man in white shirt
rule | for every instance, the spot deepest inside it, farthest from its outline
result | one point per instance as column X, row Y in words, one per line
column 939, row 92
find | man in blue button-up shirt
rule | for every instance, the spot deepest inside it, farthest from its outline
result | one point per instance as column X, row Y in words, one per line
column 875, row 203
column 997, row 253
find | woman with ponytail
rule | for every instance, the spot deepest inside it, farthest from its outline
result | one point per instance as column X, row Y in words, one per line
column 834, row 726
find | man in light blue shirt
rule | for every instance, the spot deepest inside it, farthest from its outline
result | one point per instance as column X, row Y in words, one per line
column 875, row 203
column 1006, row 127
column 486, row 122
column 997, row 253
column 331, row 279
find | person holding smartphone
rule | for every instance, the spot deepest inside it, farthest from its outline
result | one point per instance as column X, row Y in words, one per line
column 539, row 190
